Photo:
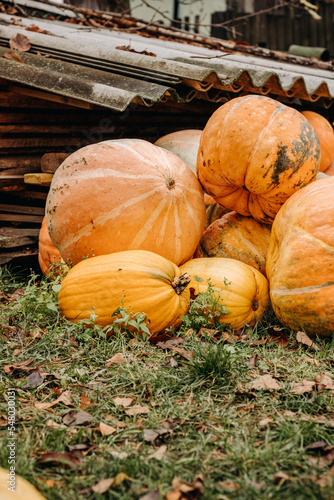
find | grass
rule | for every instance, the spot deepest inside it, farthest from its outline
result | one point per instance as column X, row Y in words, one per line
column 214, row 431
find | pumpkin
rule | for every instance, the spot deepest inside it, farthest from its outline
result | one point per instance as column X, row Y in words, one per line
column 300, row 260
column 213, row 210
column 121, row 195
column 138, row 280
column 325, row 134
column 184, row 143
column 242, row 289
column 237, row 237
column 23, row 490
column 254, row 153
column 330, row 170
column 48, row 254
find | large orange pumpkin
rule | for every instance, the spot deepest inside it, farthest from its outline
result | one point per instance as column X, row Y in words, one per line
column 300, row 260
column 241, row 289
column 125, row 195
column 48, row 254
column 184, row 143
column 237, row 237
column 255, row 153
column 137, row 280
column 325, row 134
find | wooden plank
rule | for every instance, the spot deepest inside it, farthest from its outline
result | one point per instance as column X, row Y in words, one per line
column 39, row 142
column 34, row 219
column 15, row 237
column 51, row 161
column 22, row 209
column 18, row 255
column 35, row 195
column 47, row 96
column 40, row 178
column 10, row 180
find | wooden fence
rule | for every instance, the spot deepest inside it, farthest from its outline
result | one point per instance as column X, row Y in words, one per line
column 280, row 28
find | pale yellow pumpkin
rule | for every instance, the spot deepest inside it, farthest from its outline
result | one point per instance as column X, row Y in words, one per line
column 242, row 289
column 138, row 280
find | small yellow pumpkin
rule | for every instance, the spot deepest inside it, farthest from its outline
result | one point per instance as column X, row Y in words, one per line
column 242, row 289
column 138, row 280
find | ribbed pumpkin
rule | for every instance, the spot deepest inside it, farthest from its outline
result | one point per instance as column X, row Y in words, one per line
column 48, row 254
column 325, row 134
column 255, row 153
column 300, row 260
column 242, row 289
column 125, row 195
column 236, row 237
column 23, row 490
column 138, row 280
column 184, row 143
column 213, row 210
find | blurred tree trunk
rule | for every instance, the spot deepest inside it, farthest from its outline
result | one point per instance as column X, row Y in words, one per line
column 105, row 5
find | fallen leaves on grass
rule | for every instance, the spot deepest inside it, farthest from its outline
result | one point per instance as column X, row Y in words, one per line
column 302, row 338
column 158, row 453
column 277, row 336
column 65, row 398
column 150, row 435
column 105, row 484
column 302, row 387
column 266, row 421
column 106, row 429
column 21, row 366
column 185, row 354
column 125, row 402
column 73, row 418
column 327, row 479
column 191, row 490
column 84, row 402
column 324, row 382
column 33, row 380
column 266, row 382
column 280, row 477
column 313, row 361
column 151, row 495
column 20, row 42
column 229, row 485
column 117, row 358
column 64, row 458
column 137, row 410
column 325, row 460
column 169, row 344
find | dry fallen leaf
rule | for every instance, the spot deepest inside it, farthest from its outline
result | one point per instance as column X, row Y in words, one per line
column 84, row 402
column 323, row 461
column 277, row 336
column 103, row 485
column 265, row 382
column 313, row 361
column 229, row 485
column 327, row 479
column 137, row 410
column 324, row 382
column 280, row 477
column 33, row 380
column 185, row 354
column 73, row 418
column 106, row 429
column 302, row 387
column 150, row 435
column 60, row 458
column 117, row 358
column 302, row 338
column 195, row 489
column 119, row 454
column 125, row 402
column 13, row 56
column 158, row 453
column 20, row 42
column 151, row 495
column 21, row 366
column 169, row 344
column 65, row 398
column 266, row 421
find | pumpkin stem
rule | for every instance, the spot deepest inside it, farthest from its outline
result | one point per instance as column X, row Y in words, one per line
column 180, row 283
column 170, row 183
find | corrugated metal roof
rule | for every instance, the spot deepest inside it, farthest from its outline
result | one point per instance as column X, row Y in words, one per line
column 111, row 68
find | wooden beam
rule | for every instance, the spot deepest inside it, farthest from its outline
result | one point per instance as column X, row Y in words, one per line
column 51, row 161
column 15, row 237
column 48, row 96
column 39, row 178
column 18, row 254
column 34, row 142
column 22, row 210
column 34, row 219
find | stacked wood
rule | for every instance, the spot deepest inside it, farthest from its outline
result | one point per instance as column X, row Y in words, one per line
column 36, row 135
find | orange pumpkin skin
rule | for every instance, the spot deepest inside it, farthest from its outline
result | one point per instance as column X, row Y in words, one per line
column 48, row 254
column 213, row 210
column 300, row 260
column 236, row 237
column 242, row 289
column 255, row 153
column 183, row 143
column 325, row 134
column 125, row 195
column 330, row 170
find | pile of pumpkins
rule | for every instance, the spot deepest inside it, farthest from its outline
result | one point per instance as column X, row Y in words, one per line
column 239, row 207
